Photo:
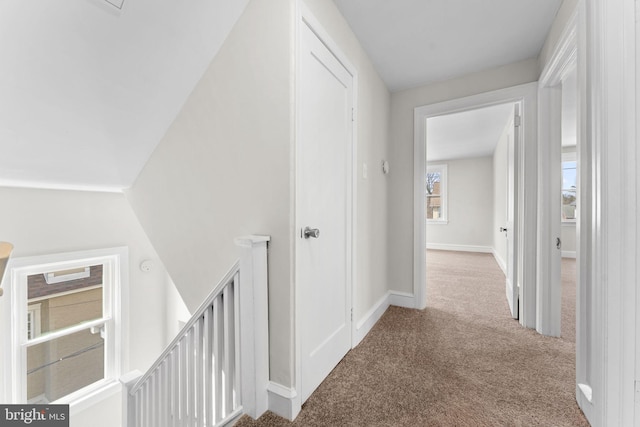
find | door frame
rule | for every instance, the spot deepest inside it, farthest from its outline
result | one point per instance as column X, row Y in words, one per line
column 607, row 366
column 526, row 185
column 304, row 16
column 563, row 60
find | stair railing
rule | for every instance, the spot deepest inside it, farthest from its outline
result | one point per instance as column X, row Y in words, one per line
column 216, row 368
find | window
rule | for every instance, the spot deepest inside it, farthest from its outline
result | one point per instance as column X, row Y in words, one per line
column 67, row 332
column 569, row 187
column 436, row 194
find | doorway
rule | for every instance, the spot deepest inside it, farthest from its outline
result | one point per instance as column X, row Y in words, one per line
column 524, row 188
column 470, row 191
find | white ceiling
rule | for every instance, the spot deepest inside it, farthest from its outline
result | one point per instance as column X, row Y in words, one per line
column 88, row 90
column 467, row 134
column 415, row 42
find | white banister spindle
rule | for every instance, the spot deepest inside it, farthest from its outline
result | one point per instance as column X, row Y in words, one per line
column 236, row 321
column 147, row 403
column 183, row 382
column 191, row 375
column 199, row 372
column 217, row 367
column 208, row 368
column 227, row 298
column 217, row 358
column 175, row 395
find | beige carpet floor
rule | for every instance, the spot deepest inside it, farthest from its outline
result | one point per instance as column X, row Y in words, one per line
column 461, row 362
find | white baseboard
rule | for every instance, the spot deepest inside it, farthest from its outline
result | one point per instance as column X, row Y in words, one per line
column 500, row 261
column 371, row 317
column 283, row 401
column 402, row 299
column 568, row 254
column 459, row 248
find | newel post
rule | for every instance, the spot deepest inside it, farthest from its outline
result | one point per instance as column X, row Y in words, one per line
column 129, row 415
column 254, row 324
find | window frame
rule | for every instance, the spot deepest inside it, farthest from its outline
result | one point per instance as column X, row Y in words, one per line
column 114, row 321
column 569, row 156
column 442, row 169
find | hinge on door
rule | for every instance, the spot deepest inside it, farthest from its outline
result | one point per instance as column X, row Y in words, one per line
column 352, row 314
column 353, row 114
column 517, row 121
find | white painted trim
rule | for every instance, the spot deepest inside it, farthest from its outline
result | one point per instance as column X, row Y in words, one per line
column 500, row 261
column 548, row 295
column 402, row 299
column 86, row 399
column 569, row 254
column 304, row 16
column 586, row 392
column 116, row 272
column 613, row 189
column 283, row 401
column 254, row 324
column 128, row 381
column 525, row 94
column 43, row 185
column 459, row 248
column 370, row 318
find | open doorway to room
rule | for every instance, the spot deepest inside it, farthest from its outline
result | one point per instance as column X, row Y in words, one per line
column 469, row 205
column 569, row 211
column 521, row 286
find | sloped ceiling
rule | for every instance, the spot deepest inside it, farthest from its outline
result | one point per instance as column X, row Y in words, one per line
column 87, row 90
column 473, row 133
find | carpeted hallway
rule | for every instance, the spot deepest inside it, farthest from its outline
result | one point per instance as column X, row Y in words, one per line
column 461, row 362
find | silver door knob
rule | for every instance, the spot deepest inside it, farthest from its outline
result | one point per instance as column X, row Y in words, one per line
column 310, row 232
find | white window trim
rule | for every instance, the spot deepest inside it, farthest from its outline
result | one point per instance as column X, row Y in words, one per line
column 569, row 156
column 442, row 169
column 115, row 261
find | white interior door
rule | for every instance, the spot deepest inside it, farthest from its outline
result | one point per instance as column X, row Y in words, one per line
column 323, row 205
column 512, row 288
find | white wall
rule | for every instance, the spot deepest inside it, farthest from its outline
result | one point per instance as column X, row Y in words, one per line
column 371, row 148
column 500, row 189
column 223, row 170
column 401, row 153
column 42, row 222
column 469, row 206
